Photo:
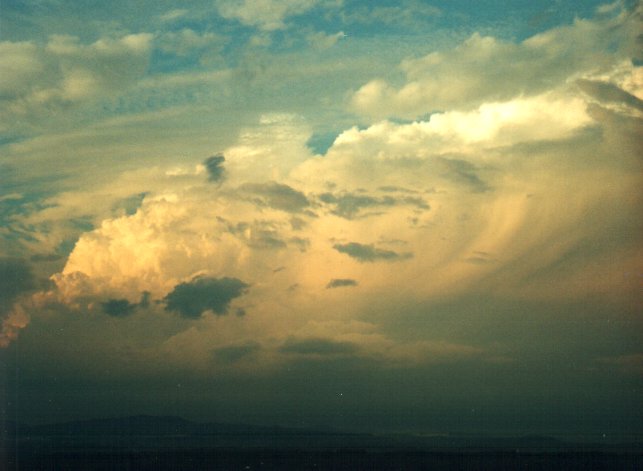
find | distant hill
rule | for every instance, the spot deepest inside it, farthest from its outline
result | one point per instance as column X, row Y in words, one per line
column 149, row 432
column 152, row 443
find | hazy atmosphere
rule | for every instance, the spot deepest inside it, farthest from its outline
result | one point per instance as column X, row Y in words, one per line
column 333, row 214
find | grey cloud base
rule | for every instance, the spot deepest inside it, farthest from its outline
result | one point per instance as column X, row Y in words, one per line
column 192, row 299
column 369, row 253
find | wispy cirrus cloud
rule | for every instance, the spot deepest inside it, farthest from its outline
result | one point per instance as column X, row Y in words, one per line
column 267, row 15
column 369, row 253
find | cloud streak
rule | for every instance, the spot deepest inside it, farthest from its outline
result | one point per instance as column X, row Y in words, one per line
column 340, row 283
column 369, row 253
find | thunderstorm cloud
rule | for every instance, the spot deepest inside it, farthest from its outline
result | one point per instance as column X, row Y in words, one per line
column 236, row 210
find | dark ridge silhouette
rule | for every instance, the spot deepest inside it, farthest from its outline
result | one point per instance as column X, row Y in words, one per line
column 169, row 443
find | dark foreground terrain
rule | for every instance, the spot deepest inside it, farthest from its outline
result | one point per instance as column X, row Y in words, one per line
column 324, row 460
column 158, row 443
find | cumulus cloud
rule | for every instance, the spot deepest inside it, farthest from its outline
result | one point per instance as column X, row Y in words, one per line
column 43, row 78
column 193, row 298
column 277, row 196
column 118, row 307
column 341, row 282
column 610, row 93
column 462, row 77
column 214, row 166
column 269, row 150
column 129, row 205
column 530, row 189
column 267, row 15
column 369, row 253
column 187, row 41
column 259, row 234
column 320, row 40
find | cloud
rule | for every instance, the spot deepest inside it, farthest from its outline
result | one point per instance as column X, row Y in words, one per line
column 484, row 68
column 235, row 353
column 16, row 278
column 464, row 172
column 447, row 152
column 202, row 294
column 318, row 346
column 349, row 205
column 407, row 14
column 610, row 93
column 260, row 235
column 41, row 80
column 118, row 307
column 267, row 15
column 341, row 282
column 129, row 205
column 277, row 196
column 214, row 166
column 186, row 42
column 539, row 180
column 270, row 149
column 321, row 41
column 369, row 253
column 173, row 15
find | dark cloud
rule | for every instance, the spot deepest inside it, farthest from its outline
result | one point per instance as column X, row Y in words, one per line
column 45, row 257
column 259, row 234
column 235, row 353
column 395, row 189
column 203, row 294
column 300, row 243
column 118, row 307
column 317, row 346
column 145, row 299
column 123, row 308
column 214, row 165
column 340, row 282
column 16, row 278
column 130, row 204
column 610, row 93
column 266, row 240
column 463, row 172
column 369, row 253
column 277, row 196
column 297, row 224
column 349, row 205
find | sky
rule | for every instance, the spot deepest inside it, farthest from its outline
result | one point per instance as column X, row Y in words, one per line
column 340, row 214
